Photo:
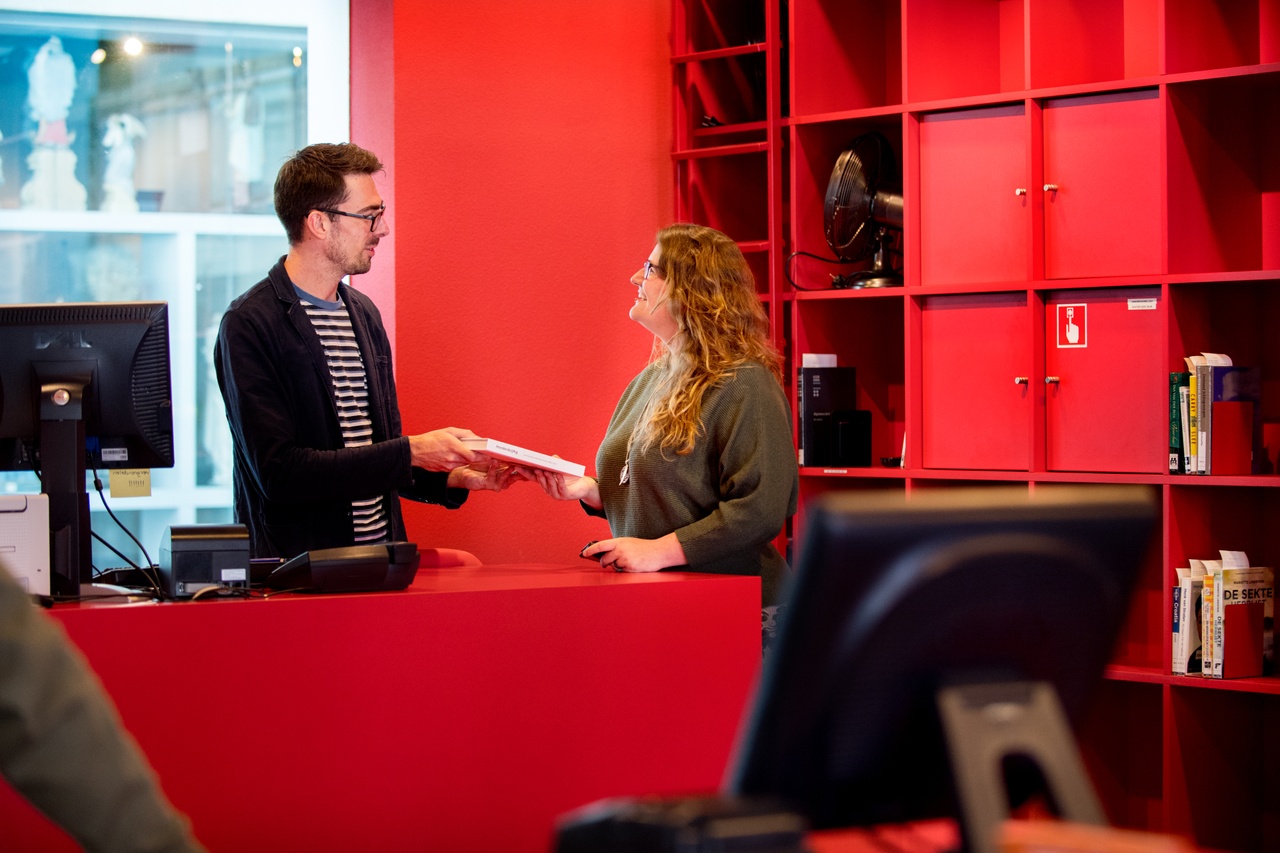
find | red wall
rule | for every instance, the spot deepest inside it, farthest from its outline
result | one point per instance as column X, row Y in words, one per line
column 531, row 170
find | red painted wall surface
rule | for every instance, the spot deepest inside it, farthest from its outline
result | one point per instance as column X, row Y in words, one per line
column 531, row 170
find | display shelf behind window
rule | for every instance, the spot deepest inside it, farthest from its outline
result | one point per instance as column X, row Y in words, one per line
column 124, row 115
column 144, row 170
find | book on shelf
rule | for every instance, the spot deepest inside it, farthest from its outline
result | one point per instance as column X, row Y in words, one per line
column 1200, row 365
column 523, row 456
column 1176, row 650
column 1186, row 619
column 1193, row 413
column 1212, row 569
column 829, row 430
column 1184, row 397
column 1241, row 595
column 1178, row 380
column 1233, row 420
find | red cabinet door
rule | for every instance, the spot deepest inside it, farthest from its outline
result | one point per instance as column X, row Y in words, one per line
column 1104, row 155
column 975, row 415
column 1108, row 409
column 974, row 222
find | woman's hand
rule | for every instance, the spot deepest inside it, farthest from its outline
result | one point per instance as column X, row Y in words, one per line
column 628, row 554
column 562, row 487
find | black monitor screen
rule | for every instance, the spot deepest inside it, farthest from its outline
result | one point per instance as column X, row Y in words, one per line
column 892, row 599
column 82, row 384
column 119, row 350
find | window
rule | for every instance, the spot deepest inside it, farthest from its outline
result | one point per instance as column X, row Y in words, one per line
column 138, row 154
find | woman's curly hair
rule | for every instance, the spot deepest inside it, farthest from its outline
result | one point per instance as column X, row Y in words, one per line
column 711, row 295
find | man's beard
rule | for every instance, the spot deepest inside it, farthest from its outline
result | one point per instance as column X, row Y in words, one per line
column 356, row 265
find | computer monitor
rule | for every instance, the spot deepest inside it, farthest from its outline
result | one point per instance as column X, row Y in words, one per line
column 895, row 600
column 82, row 384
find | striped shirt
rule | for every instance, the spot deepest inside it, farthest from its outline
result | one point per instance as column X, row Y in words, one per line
column 351, row 396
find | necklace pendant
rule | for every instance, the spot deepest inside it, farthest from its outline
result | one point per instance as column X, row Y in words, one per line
column 625, row 476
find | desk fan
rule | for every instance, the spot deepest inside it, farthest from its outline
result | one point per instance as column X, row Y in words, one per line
column 863, row 204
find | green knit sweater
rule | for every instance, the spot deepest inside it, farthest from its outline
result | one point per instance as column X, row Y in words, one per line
column 729, row 497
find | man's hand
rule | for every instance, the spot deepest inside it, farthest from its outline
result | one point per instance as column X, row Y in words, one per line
column 486, row 474
column 442, row 449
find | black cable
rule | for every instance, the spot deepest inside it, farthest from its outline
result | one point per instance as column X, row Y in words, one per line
column 148, row 572
column 786, row 268
column 117, row 552
column 97, row 484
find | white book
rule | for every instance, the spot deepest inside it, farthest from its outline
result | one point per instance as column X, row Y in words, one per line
column 1179, row 633
column 524, row 456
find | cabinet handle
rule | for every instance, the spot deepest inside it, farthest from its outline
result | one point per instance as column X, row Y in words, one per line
column 1020, row 191
column 1021, row 380
column 1051, row 188
column 1052, row 380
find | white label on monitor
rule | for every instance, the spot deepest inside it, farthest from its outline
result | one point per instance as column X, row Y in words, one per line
column 229, row 575
column 115, row 454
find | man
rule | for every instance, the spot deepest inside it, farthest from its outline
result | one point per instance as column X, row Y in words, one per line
column 62, row 745
column 304, row 366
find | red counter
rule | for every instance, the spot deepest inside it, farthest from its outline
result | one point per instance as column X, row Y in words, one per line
column 463, row 714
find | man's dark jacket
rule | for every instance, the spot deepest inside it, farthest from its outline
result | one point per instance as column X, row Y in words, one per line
column 294, row 480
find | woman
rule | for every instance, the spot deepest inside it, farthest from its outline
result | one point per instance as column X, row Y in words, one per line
column 697, row 470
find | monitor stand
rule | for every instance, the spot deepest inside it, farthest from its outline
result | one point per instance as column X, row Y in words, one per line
column 62, row 473
column 985, row 724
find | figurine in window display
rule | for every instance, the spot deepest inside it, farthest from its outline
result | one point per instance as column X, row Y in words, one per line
column 246, row 144
column 118, row 193
column 51, row 85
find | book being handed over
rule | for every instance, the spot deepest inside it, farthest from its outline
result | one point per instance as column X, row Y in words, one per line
column 522, row 456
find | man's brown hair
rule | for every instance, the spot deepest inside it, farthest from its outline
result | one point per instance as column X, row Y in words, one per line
column 315, row 178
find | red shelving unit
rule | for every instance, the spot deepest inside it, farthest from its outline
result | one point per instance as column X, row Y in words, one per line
column 1112, row 156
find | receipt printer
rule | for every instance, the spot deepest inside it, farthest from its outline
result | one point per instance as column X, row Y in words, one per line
column 24, row 540
column 195, row 556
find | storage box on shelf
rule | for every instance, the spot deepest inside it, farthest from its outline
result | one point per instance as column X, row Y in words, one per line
column 1111, row 157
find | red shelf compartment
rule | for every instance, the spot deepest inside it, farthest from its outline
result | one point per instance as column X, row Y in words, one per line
column 1238, row 318
column 729, row 90
column 1201, row 35
column 958, row 48
column 866, row 334
column 1221, row 781
column 845, row 55
column 1224, row 178
column 727, row 191
column 814, row 151
column 1073, row 42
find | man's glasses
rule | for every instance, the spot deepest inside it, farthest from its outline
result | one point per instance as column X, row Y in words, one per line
column 373, row 218
column 650, row 268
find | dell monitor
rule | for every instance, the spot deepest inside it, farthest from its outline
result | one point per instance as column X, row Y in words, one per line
column 82, row 385
column 894, row 602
